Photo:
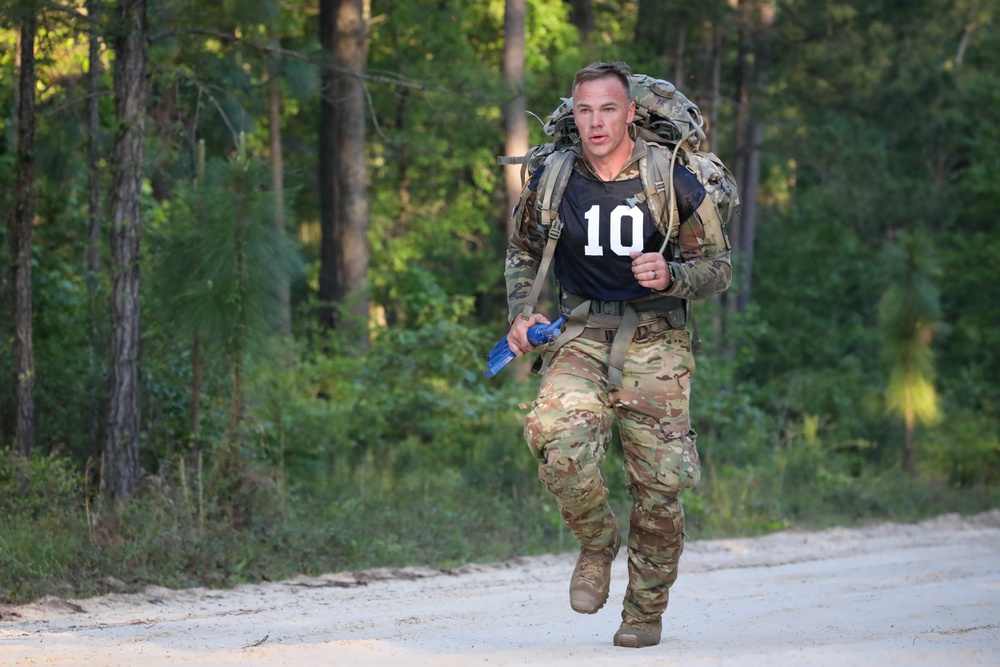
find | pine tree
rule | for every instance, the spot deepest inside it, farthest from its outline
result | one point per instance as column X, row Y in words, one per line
column 909, row 313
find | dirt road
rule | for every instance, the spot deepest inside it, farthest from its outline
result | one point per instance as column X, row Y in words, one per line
column 924, row 594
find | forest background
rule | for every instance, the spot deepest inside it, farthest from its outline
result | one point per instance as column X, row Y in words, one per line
column 252, row 264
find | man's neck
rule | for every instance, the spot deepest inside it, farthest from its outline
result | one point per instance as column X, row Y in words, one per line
column 608, row 168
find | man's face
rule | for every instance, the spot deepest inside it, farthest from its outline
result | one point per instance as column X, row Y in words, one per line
column 602, row 111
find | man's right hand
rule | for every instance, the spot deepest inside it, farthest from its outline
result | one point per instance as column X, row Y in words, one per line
column 517, row 338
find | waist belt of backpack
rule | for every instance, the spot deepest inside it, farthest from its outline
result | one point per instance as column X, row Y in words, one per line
column 615, row 322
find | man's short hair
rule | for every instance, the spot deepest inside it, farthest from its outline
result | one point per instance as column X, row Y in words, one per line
column 604, row 70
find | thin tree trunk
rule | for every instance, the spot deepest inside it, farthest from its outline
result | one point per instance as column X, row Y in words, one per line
column 741, row 134
column 764, row 20
column 748, row 216
column 716, row 94
column 22, row 222
column 754, row 19
column 655, row 23
column 741, row 127
column 195, row 424
column 239, row 334
column 121, row 451
column 649, row 32
column 93, row 149
column 278, row 183
column 196, row 362
column 329, row 196
column 909, row 423
column 350, row 229
column 581, row 15
column 713, row 142
column 93, row 254
column 515, row 116
column 679, row 52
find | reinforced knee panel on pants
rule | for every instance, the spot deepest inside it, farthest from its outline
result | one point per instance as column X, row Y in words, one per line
column 665, row 467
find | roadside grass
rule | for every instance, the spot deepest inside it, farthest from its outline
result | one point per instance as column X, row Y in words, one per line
column 58, row 538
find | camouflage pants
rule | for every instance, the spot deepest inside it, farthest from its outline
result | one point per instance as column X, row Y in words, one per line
column 568, row 429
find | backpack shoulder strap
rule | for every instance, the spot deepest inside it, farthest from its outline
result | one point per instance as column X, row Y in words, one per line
column 656, row 169
column 551, row 186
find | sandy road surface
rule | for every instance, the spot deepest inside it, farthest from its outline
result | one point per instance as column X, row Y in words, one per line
column 924, row 594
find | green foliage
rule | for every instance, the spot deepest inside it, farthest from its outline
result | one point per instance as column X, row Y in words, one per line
column 42, row 531
column 415, row 395
column 221, row 261
column 809, row 481
column 962, row 451
column 908, row 314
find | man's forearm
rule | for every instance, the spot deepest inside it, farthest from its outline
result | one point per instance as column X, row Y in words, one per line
column 701, row 278
column 520, row 269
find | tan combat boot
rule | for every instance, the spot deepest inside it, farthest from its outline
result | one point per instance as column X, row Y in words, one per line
column 637, row 634
column 588, row 589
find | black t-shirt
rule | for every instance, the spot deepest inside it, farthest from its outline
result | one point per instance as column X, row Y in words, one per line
column 599, row 231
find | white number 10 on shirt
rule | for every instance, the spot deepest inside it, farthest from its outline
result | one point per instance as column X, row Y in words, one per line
column 618, row 215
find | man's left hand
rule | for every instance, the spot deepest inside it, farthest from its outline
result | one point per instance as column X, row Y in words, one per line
column 650, row 269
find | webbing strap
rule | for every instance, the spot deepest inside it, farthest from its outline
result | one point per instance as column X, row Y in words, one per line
column 695, row 338
column 620, row 346
column 665, row 174
column 576, row 322
column 554, row 180
column 555, row 231
column 553, row 184
column 624, row 326
column 514, row 160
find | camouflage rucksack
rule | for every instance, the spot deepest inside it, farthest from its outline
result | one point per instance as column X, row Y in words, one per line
column 663, row 116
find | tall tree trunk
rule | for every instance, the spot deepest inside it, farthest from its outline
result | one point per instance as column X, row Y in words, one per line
column 278, row 181
column 93, row 148
column 715, row 97
column 650, row 33
column 346, row 225
column 93, row 254
column 713, row 141
column 755, row 18
column 748, row 215
column 329, row 194
column 581, row 15
column 239, row 334
column 679, row 51
column 21, row 224
column 164, row 114
column 196, row 363
column 352, row 229
column 656, row 21
column 741, row 132
column 121, row 449
column 515, row 116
